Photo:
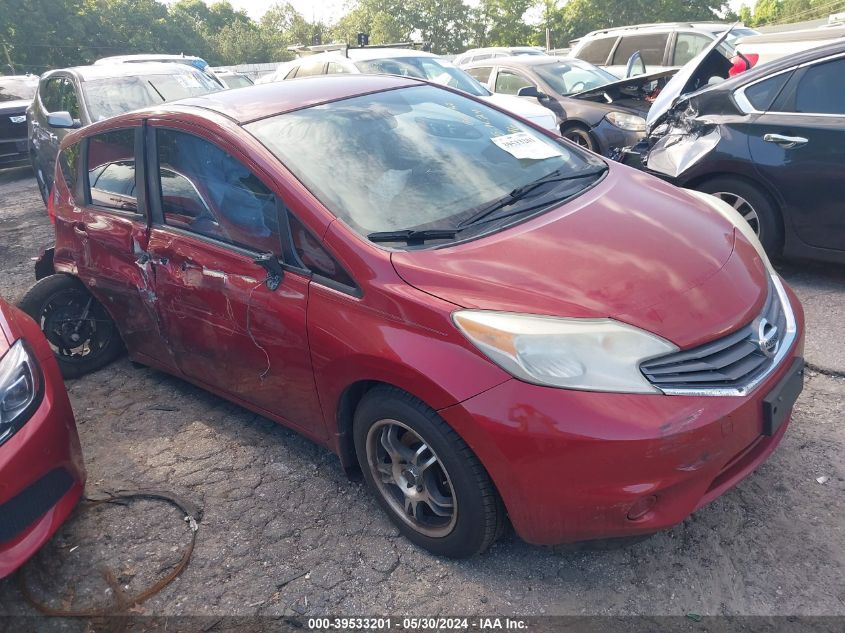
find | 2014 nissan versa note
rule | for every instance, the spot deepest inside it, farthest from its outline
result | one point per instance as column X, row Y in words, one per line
column 490, row 321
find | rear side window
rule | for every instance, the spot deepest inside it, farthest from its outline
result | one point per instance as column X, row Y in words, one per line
column 762, row 94
column 335, row 68
column 509, row 83
column 687, row 46
column 597, row 51
column 206, row 191
column 111, row 170
column 651, row 47
column 821, row 89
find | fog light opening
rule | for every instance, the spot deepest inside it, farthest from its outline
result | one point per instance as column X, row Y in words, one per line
column 641, row 508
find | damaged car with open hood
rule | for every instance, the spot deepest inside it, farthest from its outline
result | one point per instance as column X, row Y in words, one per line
column 769, row 142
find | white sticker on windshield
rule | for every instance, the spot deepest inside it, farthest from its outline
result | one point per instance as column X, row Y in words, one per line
column 522, row 145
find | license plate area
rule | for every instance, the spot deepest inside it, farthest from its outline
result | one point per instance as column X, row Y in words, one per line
column 779, row 401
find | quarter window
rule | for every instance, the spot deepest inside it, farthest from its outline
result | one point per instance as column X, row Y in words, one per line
column 651, row 47
column 314, row 257
column 208, row 192
column 509, row 83
column 762, row 94
column 111, row 170
column 821, row 90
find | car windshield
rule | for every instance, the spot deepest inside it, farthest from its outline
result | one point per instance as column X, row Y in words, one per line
column 17, row 89
column 438, row 71
column 416, row 158
column 108, row 97
column 573, row 76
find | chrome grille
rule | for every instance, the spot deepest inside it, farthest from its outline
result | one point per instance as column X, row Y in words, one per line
column 731, row 362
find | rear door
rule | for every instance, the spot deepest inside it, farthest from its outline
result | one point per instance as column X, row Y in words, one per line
column 230, row 326
column 798, row 146
column 112, row 234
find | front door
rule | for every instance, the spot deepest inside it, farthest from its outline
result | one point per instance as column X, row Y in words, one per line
column 799, row 147
column 227, row 326
column 112, row 232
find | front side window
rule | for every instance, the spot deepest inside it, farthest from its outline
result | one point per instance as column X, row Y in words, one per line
column 51, row 94
column 415, row 158
column 431, row 69
column 69, row 103
column 111, row 170
column 651, row 47
column 687, row 46
column 571, row 77
column 207, row 191
column 109, row 97
column 310, row 68
column 821, row 89
column 481, row 74
column 510, row 83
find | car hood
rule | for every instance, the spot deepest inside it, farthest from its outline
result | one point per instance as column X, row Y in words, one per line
column 692, row 77
column 615, row 88
column 14, row 107
column 632, row 248
column 522, row 106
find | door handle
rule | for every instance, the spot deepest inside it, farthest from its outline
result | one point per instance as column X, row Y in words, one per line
column 79, row 229
column 786, row 142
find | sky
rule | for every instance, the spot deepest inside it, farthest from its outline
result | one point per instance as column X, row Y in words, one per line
column 329, row 11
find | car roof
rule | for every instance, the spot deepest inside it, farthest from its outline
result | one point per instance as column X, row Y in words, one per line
column 117, row 59
column 659, row 27
column 269, row 99
column 524, row 60
column 107, row 71
column 365, row 54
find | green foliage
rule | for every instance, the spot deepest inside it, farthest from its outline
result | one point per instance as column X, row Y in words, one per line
column 42, row 34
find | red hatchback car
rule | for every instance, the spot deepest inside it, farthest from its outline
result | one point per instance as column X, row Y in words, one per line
column 41, row 469
column 488, row 320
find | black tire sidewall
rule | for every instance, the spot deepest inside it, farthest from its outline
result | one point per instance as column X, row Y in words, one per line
column 467, row 537
column 33, row 304
column 771, row 226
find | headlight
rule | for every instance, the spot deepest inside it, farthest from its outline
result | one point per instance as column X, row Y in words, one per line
column 20, row 388
column 588, row 354
column 734, row 217
column 630, row 122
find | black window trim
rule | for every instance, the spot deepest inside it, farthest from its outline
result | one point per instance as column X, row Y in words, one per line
column 140, row 177
column 288, row 259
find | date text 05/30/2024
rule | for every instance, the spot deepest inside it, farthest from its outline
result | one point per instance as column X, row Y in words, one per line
column 417, row 624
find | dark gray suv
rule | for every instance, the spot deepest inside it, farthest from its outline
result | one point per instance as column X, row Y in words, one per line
column 75, row 97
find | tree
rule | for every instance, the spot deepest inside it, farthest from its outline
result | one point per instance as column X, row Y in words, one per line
column 502, row 23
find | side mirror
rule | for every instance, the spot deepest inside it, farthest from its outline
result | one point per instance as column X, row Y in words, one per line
column 529, row 91
column 61, row 119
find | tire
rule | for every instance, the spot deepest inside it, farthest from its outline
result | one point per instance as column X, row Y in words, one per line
column 754, row 205
column 580, row 135
column 81, row 345
column 457, row 512
column 43, row 188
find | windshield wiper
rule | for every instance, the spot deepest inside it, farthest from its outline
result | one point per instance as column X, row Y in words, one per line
column 520, row 192
column 411, row 236
column 152, row 85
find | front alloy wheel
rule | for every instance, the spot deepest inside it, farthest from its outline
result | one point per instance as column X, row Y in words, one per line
column 743, row 207
column 424, row 476
column 411, row 478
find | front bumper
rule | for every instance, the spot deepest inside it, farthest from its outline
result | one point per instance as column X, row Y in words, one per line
column 41, row 472
column 576, row 465
column 612, row 138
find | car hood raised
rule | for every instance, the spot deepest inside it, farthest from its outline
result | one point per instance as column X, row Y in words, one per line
column 632, row 248
column 614, row 88
column 692, row 77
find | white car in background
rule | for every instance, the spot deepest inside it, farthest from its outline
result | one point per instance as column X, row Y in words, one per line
column 760, row 49
column 490, row 52
column 410, row 63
